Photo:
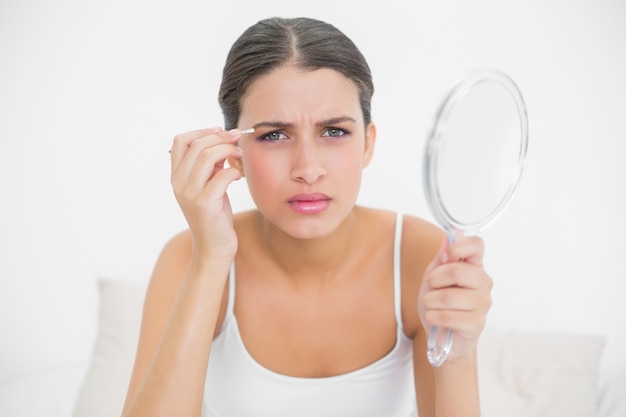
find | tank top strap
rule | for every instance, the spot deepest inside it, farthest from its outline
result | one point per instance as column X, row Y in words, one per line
column 397, row 272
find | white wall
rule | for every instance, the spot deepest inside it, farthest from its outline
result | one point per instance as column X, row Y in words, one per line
column 91, row 94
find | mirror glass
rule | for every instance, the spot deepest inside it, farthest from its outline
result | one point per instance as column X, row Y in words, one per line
column 475, row 152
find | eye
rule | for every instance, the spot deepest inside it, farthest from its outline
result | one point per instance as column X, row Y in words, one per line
column 335, row 132
column 272, row 136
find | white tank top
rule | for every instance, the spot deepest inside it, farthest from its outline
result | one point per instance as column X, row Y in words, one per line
column 238, row 386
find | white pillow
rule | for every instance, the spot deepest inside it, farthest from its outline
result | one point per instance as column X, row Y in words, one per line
column 104, row 388
column 520, row 374
column 612, row 401
column 535, row 374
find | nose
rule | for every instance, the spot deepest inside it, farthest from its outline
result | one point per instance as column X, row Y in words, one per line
column 308, row 165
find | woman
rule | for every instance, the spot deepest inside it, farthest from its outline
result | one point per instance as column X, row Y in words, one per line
column 309, row 304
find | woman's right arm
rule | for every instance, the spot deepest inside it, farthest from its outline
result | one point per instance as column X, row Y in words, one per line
column 183, row 299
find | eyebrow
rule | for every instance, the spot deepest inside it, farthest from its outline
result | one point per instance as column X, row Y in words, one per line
column 283, row 125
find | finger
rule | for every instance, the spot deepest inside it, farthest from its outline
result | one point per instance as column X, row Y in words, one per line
column 216, row 189
column 209, row 162
column 459, row 274
column 468, row 249
column 453, row 298
column 184, row 139
column 185, row 159
column 466, row 323
column 181, row 142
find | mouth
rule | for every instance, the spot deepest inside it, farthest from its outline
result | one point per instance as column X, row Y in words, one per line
column 309, row 203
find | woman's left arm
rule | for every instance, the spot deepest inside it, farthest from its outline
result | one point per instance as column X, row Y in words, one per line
column 454, row 294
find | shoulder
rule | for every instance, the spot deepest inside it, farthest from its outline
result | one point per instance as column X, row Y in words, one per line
column 178, row 247
column 414, row 229
column 421, row 241
column 166, row 280
column 169, row 269
column 420, row 237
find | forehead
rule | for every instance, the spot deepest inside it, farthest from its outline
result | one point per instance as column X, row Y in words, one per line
column 289, row 89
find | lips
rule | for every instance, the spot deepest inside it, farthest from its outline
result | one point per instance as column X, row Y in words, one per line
column 309, row 203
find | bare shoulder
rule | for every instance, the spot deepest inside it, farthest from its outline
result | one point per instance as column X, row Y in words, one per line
column 421, row 241
column 179, row 245
column 173, row 260
column 166, row 278
column 419, row 234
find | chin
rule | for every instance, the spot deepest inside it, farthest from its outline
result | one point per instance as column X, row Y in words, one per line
column 308, row 227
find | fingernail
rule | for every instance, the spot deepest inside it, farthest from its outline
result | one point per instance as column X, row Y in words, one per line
column 235, row 132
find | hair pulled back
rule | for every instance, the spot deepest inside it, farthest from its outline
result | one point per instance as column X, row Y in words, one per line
column 304, row 43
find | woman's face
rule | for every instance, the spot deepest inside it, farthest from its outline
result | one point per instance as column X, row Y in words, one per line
column 304, row 162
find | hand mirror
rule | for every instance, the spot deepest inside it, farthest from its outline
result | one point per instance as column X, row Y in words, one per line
column 473, row 161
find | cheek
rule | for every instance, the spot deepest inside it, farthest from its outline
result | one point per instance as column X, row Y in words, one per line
column 260, row 172
column 348, row 162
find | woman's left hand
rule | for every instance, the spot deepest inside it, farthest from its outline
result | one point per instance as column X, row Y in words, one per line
column 456, row 294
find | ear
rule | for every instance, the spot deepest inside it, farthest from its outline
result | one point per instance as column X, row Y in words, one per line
column 236, row 163
column 370, row 141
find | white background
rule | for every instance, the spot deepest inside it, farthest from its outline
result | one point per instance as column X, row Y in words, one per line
column 92, row 93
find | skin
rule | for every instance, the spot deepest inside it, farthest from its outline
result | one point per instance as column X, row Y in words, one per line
column 327, row 273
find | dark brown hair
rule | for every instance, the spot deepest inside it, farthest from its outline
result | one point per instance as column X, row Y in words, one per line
column 305, row 43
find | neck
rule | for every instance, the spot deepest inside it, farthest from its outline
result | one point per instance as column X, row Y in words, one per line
column 310, row 259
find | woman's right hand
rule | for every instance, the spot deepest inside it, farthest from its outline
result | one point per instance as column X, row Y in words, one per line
column 200, row 179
